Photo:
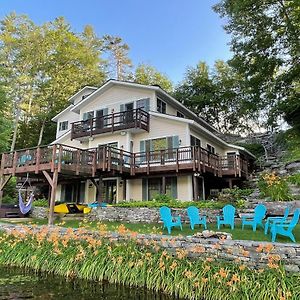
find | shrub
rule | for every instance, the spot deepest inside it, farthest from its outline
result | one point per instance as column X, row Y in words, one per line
column 274, row 187
column 255, row 148
column 163, row 198
column 173, row 204
column 7, row 199
column 294, row 179
column 41, row 203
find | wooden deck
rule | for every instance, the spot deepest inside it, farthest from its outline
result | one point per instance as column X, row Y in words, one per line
column 135, row 119
column 56, row 163
column 92, row 162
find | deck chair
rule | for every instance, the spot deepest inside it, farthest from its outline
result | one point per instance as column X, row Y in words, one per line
column 278, row 220
column 168, row 220
column 195, row 218
column 286, row 228
column 228, row 216
column 259, row 214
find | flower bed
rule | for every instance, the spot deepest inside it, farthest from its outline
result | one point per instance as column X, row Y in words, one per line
column 138, row 260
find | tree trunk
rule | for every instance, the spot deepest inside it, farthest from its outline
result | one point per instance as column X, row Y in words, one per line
column 14, row 138
column 41, row 133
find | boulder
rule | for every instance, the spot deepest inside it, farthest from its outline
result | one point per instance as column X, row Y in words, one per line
column 206, row 234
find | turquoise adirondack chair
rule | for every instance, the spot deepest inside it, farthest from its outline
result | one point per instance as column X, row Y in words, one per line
column 278, row 220
column 286, row 228
column 259, row 214
column 228, row 216
column 195, row 218
column 168, row 220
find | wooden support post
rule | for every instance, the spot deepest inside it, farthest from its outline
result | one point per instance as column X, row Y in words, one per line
column 194, row 158
column 37, row 160
column 177, row 160
column 54, row 159
column 53, row 183
column 77, row 161
column 60, row 154
column 94, row 164
column 196, row 187
column 121, row 161
column 15, row 163
column 163, row 185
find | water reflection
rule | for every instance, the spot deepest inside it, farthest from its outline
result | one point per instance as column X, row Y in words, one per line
column 18, row 284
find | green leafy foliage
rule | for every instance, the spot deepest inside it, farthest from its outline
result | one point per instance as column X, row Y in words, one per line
column 255, row 148
column 265, row 42
column 171, row 203
column 290, row 142
column 44, row 65
column 274, row 187
column 146, row 74
column 294, row 179
column 215, row 96
column 41, row 203
column 10, row 192
column 134, row 264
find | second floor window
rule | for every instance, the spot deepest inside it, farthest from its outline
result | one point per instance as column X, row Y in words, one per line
column 161, row 106
column 63, row 125
column 211, row 149
column 195, row 141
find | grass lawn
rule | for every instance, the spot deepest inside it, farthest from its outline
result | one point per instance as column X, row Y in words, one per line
column 237, row 233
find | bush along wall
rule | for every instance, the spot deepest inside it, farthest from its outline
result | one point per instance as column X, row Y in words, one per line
column 130, row 262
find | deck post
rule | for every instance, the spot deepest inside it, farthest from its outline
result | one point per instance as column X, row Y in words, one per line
column 53, row 183
column 163, row 185
column 196, row 187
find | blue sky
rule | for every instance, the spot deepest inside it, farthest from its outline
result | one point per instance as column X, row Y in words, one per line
column 168, row 34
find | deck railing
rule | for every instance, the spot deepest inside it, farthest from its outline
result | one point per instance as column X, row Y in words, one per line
column 48, row 157
column 106, row 159
column 136, row 118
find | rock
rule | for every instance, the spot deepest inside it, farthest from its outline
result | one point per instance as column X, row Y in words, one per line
column 293, row 167
column 213, row 234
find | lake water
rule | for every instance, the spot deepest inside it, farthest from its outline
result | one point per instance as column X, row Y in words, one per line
column 18, row 284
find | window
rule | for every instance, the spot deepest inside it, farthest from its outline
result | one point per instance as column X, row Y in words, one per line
column 195, row 141
column 211, row 149
column 88, row 115
column 161, row 106
column 154, row 186
column 180, row 115
column 63, row 125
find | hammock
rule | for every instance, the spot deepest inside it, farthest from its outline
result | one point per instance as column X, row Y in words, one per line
column 25, row 208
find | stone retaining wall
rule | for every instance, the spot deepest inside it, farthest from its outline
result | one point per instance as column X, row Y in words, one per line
column 39, row 212
column 151, row 215
column 253, row 254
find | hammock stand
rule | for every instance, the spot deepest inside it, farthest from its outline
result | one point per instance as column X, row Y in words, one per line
column 25, row 207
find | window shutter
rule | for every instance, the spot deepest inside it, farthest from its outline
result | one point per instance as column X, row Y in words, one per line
column 142, row 149
column 144, row 104
column 147, row 104
column 85, row 116
column 122, row 107
column 105, row 113
column 145, row 189
column 174, row 187
column 175, row 141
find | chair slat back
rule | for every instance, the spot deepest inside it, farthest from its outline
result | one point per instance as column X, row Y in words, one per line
column 228, row 212
column 259, row 212
column 295, row 219
column 165, row 214
column 193, row 213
